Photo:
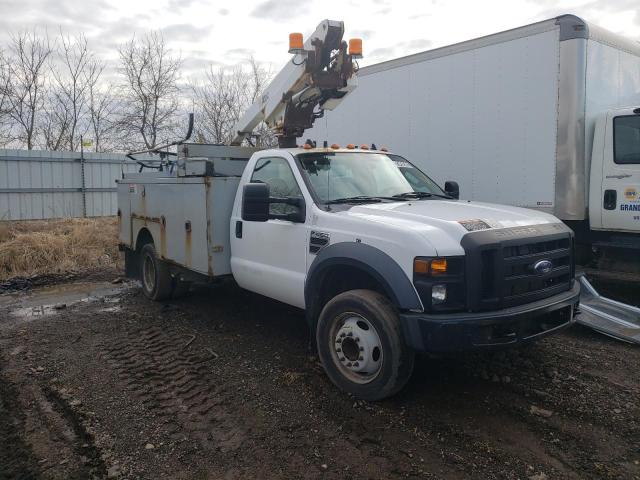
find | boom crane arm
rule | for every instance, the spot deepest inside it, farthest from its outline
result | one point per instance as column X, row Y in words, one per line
column 320, row 74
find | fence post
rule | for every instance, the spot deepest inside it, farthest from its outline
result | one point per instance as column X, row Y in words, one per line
column 84, row 183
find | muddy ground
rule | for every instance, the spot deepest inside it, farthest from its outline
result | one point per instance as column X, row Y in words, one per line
column 221, row 384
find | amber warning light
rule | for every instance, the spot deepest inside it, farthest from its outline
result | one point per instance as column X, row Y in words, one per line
column 355, row 47
column 295, row 43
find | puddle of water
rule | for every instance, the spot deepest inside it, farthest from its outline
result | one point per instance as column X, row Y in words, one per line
column 48, row 301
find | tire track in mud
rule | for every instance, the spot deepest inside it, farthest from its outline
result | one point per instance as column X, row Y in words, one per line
column 17, row 460
column 173, row 380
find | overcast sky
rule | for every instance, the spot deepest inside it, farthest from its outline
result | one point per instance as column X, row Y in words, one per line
column 226, row 32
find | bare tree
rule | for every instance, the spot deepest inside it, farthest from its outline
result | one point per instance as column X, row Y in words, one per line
column 26, row 72
column 75, row 72
column 224, row 96
column 102, row 113
column 151, row 88
column 54, row 121
column 5, row 123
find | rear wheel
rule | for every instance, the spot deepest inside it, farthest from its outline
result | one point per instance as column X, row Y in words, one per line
column 361, row 346
column 156, row 279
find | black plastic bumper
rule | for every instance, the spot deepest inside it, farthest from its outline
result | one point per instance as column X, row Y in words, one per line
column 483, row 330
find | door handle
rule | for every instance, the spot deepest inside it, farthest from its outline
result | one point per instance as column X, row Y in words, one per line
column 610, row 200
column 238, row 229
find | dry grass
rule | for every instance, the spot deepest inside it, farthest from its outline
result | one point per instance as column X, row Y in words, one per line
column 57, row 246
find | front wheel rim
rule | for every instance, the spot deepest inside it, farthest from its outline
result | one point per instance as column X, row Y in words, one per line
column 356, row 348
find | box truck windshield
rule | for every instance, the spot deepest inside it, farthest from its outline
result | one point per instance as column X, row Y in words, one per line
column 626, row 139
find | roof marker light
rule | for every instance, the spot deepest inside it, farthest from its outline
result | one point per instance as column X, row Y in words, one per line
column 351, row 146
column 335, row 146
column 364, row 147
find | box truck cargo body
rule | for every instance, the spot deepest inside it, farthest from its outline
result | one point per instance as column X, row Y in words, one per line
column 526, row 117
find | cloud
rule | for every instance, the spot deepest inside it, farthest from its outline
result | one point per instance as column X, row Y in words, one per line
column 278, row 9
column 364, row 34
column 238, row 53
column 418, row 44
column 381, row 54
column 186, row 32
column 223, row 11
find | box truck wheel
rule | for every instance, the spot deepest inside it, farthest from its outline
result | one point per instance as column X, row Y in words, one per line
column 156, row 279
column 361, row 346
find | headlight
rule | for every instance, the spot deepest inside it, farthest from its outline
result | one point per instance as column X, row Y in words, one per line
column 438, row 294
column 440, row 282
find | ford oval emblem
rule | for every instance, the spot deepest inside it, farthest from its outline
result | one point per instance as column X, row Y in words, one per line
column 543, row 266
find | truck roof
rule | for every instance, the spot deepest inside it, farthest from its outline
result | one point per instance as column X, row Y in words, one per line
column 570, row 26
column 297, row 151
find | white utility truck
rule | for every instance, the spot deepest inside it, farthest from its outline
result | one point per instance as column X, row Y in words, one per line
column 544, row 116
column 384, row 262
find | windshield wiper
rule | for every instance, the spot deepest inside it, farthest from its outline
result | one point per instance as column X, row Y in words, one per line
column 356, row 199
column 421, row 195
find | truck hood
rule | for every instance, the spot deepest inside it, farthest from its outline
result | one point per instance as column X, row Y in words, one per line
column 441, row 221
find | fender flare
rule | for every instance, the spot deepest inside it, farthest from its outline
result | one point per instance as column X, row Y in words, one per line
column 369, row 259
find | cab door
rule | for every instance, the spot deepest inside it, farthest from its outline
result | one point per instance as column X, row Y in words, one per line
column 620, row 192
column 270, row 258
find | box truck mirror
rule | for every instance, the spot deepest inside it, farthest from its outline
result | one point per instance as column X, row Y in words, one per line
column 255, row 202
column 452, row 189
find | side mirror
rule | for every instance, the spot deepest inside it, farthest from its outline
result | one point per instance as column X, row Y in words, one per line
column 255, row 202
column 452, row 189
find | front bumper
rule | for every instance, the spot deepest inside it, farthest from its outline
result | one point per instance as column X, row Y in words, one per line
column 454, row 332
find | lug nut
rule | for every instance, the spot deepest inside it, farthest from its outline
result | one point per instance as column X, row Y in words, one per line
column 360, row 358
column 339, row 340
column 342, row 359
column 342, row 334
column 356, row 364
column 362, row 349
column 349, row 364
column 358, row 339
column 338, row 349
column 350, row 334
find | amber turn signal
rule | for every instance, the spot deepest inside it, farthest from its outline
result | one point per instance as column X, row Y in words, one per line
column 438, row 266
column 421, row 266
column 433, row 266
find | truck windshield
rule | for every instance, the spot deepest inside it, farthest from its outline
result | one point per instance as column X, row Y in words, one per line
column 626, row 139
column 360, row 176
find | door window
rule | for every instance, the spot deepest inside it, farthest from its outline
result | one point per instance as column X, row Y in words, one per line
column 626, row 139
column 276, row 172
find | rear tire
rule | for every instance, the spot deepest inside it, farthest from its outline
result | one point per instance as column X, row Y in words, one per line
column 154, row 273
column 361, row 346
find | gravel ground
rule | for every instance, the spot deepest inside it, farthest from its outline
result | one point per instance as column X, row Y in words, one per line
column 221, row 384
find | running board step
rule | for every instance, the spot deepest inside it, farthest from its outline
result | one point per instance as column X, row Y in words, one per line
column 607, row 316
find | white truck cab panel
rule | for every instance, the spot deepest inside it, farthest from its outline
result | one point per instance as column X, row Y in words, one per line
column 614, row 197
column 270, row 257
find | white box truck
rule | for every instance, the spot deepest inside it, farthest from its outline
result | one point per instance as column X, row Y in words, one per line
column 543, row 116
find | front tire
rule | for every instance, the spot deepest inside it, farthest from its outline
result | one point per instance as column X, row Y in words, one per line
column 361, row 346
column 154, row 273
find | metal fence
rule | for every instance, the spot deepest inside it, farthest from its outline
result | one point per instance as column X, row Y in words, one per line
column 41, row 184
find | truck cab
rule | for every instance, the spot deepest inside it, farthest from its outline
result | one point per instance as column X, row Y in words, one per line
column 312, row 226
column 614, row 191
